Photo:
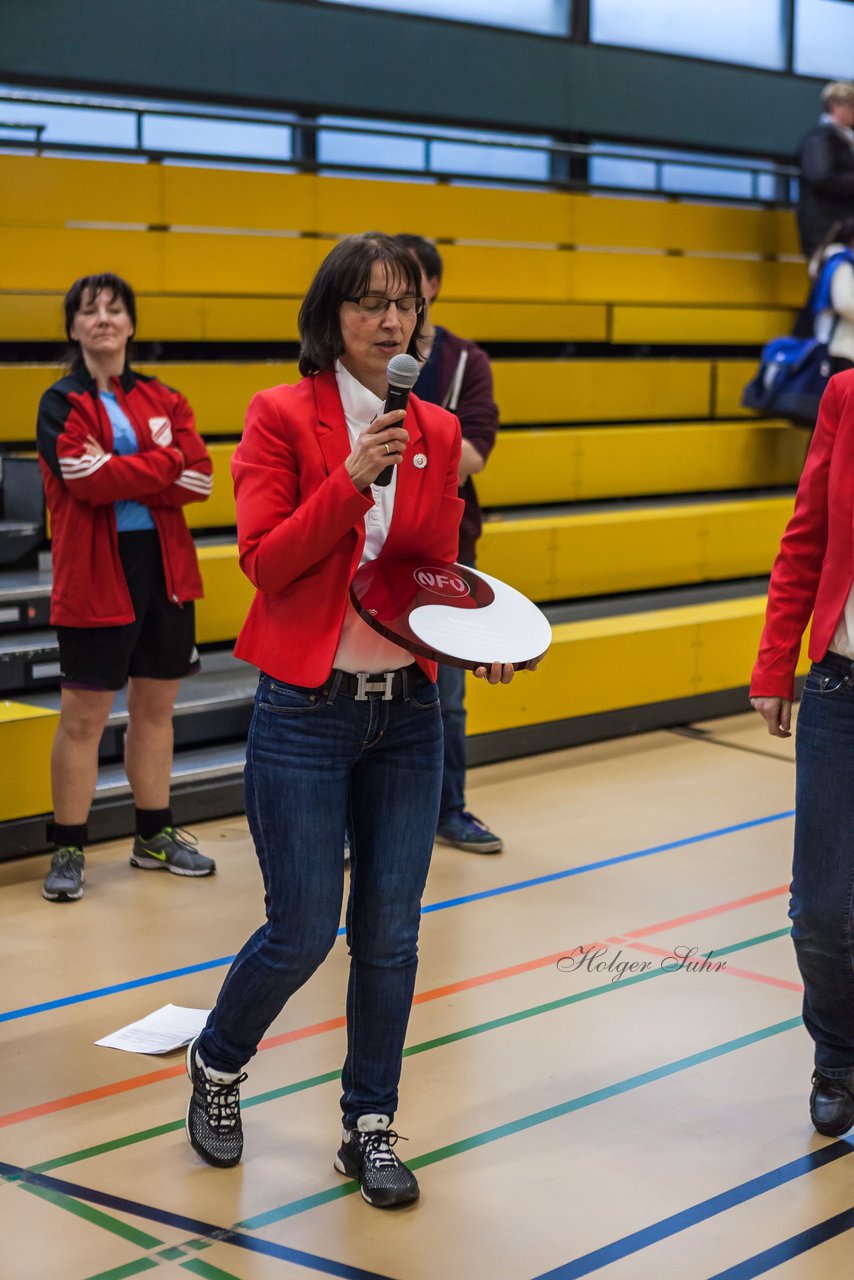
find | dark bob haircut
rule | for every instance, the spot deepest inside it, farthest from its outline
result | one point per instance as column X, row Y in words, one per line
column 425, row 251
column 87, row 289
column 346, row 273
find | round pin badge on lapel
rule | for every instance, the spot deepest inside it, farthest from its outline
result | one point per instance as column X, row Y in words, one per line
column 420, row 461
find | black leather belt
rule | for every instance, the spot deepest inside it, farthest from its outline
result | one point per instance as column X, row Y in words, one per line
column 385, row 684
column 838, row 665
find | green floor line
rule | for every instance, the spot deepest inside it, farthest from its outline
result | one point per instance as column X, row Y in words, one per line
column 527, row 1122
column 128, row 1269
column 207, row 1270
column 94, row 1216
column 115, row 1144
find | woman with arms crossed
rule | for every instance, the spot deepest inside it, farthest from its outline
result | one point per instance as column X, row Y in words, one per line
column 814, row 574
column 120, row 457
column 346, row 730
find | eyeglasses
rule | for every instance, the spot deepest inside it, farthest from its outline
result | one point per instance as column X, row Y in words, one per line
column 371, row 304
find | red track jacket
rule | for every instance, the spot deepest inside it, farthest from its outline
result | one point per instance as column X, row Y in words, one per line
column 301, row 526
column 814, row 569
column 81, row 485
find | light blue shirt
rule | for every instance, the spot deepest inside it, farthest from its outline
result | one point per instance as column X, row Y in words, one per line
column 130, row 516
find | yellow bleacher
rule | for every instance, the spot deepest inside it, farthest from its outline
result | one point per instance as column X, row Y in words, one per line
column 219, row 254
column 527, row 391
column 562, row 557
column 577, row 464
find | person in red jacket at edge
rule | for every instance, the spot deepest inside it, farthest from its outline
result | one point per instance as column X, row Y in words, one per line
column 456, row 374
column 814, row 574
column 120, row 457
column 346, row 730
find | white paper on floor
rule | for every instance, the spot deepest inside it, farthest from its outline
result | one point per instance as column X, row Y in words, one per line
column 165, row 1029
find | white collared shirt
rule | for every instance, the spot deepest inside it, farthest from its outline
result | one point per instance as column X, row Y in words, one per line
column 360, row 648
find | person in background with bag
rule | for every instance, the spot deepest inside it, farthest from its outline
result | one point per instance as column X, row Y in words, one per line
column 826, row 158
column 833, row 267
column 794, row 371
column 456, row 374
column 813, row 575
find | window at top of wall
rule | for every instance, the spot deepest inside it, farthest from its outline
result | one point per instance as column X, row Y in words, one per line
column 548, row 17
column 824, row 38
column 472, row 153
column 750, row 32
column 698, row 173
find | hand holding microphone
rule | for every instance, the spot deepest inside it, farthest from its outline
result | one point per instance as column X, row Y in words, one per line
column 380, row 447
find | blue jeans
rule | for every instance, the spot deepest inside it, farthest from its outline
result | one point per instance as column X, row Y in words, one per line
column 317, row 763
column 822, row 899
column 452, row 692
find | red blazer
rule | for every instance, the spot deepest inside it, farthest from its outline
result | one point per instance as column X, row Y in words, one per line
column 301, row 520
column 814, row 569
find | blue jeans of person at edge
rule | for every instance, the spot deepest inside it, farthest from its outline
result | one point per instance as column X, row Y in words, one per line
column 452, row 692
column 315, row 764
column 822, row 899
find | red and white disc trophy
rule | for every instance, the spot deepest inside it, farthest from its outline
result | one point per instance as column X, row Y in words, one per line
column 450, row 613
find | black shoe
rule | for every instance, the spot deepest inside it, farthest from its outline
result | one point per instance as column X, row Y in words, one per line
column 832, row 1104
column 366, row 1154
column 213, row 1123
column 64, row 881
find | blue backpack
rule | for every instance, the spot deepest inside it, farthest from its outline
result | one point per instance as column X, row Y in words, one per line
column 793, row 372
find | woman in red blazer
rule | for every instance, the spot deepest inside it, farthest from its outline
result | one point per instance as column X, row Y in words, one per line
column 346, row 731
column 813, row 574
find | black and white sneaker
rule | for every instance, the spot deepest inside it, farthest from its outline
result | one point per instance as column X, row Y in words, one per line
column 366, row 1154
column 64, row 881
column 213, row 1125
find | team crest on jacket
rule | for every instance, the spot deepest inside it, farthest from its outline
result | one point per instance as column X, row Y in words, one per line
column 161, row 431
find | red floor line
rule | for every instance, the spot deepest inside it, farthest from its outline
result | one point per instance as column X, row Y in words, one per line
column 422, row 997
column 733, row 973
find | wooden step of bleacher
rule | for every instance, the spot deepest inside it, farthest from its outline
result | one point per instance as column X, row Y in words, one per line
column 547, row 465
column 175, row 262
column 535, row 391
column 558, row 554
column 30, row 316
column 50, row 191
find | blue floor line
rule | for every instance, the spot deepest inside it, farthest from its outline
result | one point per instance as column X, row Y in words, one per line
column 768, row 1259
column 192, row 1226
column 99, row 992
column 701, row 1212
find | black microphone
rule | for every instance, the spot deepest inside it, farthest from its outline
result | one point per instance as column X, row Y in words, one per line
column 403, row 374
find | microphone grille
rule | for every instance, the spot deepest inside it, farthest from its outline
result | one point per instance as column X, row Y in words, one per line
column 403, row 372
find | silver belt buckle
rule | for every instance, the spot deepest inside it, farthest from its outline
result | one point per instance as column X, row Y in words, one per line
column 363, row 688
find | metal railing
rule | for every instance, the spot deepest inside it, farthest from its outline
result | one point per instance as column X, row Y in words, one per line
column 567, row 163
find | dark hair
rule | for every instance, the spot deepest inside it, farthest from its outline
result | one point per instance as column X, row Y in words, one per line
column 346, row 273
column 425, row 251
column 77, row 296
column 843, row 232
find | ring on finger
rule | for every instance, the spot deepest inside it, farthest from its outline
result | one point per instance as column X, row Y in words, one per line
column 387, row 449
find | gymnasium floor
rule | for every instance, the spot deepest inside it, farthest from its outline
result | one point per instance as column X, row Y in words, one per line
column 563, row 1123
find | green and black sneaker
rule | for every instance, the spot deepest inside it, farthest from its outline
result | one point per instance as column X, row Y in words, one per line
column 172, row 849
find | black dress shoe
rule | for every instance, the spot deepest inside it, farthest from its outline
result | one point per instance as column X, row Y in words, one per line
column 832, row 1104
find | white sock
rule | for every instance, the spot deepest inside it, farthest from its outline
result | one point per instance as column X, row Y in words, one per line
column 218, row 1077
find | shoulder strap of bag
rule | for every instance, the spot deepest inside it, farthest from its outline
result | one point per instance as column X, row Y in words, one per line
column 452, row 395
column 821, row 298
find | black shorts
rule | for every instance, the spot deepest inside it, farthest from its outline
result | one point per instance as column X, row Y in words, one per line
column 159, row 645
